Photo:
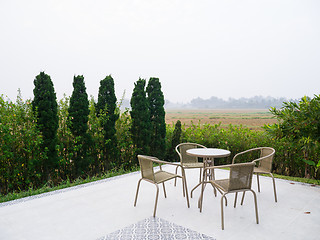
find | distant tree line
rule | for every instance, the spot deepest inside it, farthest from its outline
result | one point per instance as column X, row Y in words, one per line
column 257, row 102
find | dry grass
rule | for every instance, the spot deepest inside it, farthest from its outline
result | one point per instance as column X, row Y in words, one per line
column 251, row 118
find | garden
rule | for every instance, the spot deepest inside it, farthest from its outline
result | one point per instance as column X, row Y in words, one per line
column 49, row 143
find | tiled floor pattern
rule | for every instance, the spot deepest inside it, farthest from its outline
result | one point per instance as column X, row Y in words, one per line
column 155, row 229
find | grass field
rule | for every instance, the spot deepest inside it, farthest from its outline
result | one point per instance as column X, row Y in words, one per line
column 251, row 118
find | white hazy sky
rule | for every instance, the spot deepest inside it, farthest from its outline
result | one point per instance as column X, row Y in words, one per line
column 198, row 48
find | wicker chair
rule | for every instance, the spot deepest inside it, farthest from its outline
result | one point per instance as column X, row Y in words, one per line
column 188, row 161
column 240, row 180
column 149, row 175
column 263, row 164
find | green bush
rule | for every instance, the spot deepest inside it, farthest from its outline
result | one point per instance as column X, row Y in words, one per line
column 20, row 147
column 299, row 124
column 21, row 154
column 288, row 155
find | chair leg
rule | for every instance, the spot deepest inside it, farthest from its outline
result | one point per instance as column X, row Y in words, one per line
column 258, row 182
column 184, row 181
column 274, row 188
column 242, row 197
column 194, row 189
column 184, row 186
column 235, row 200
column 203, row 185
column 256, row 205
column 215, row 190
column 175, row 180
column 212, row 177
column 188, row 203
column 212, row 174
column 197, row 184
column 201, row 196
column 164, row 190
column 222, row 216
column 226, row 200
column 135, row 201
column 156, row 202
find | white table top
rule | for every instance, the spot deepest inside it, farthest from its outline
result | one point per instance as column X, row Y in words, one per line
column 208, row 152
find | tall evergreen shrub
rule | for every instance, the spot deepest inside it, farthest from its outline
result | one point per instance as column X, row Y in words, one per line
column 45, row 106
column 78, row 124
column 157, row 118
column 140, row 115
column 106, row 110
column 175, row 140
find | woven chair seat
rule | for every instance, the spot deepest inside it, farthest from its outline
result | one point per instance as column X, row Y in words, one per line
column 193, row 165
column 223, row 184
column 260, row 170
column 162, row 176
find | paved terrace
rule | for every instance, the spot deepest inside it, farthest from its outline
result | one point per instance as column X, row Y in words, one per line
column 104, row 210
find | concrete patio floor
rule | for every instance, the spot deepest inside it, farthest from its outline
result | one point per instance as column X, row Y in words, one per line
column 95, row 210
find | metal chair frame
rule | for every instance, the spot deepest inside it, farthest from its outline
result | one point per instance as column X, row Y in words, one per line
column 263, row 165
column 149, row 175
column 240, row 180
column 189, row 162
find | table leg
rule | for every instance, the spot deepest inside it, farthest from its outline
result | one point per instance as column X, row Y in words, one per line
column 207, row 162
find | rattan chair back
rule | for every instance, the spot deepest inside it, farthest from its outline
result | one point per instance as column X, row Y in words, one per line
column 146, row 166
column 266, row 158
column 182, row 148
column 240, row 176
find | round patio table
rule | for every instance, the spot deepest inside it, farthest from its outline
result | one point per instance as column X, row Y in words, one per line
column 208, row 155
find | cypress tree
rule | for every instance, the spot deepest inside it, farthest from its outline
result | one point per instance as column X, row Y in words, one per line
column 78, row 123
column 140, row 116
column 157, row 117
column 45, row 106
column 106, row 110
column 176, row 136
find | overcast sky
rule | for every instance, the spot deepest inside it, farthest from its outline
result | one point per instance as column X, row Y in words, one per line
column 197, row 48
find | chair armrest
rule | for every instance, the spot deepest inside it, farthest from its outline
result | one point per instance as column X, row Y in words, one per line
column 220, row 166
column 246, row 151
column 228, row 165
column 259, row 159
column 156, row 160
